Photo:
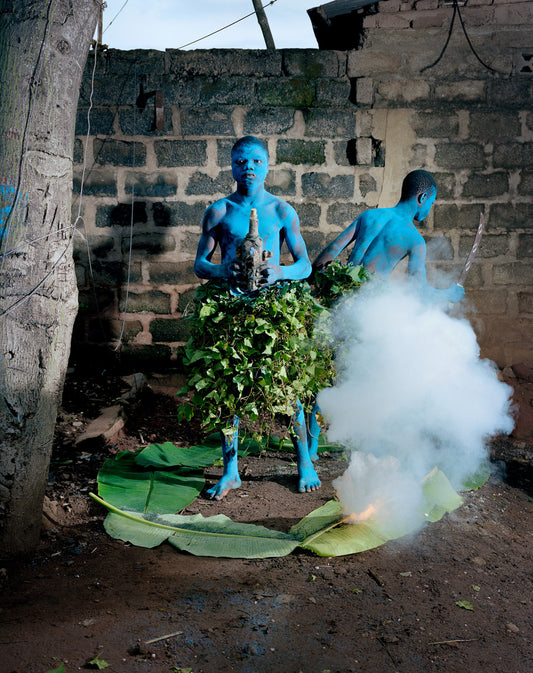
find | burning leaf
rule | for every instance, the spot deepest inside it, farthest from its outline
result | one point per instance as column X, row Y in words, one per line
column 327, row 533
column 466, row 605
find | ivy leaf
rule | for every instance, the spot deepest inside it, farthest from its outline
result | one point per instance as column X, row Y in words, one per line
column 265, row 351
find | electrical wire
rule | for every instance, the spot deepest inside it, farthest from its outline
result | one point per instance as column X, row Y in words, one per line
column 224, row 27
column 72, row 227
column 457, row 11
column 34, row 80
column 119, row 343
column 498, row 72
column 111, row 22
column 450, row 30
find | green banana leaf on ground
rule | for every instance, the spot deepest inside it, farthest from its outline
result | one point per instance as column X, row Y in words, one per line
column 142, row 500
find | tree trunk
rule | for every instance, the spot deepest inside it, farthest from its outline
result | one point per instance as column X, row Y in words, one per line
column 43, row 50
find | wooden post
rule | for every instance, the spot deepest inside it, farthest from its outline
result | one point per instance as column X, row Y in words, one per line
column 100, row 24
column 263, row 23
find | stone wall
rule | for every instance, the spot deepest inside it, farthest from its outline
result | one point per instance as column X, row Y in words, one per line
column 342, row 128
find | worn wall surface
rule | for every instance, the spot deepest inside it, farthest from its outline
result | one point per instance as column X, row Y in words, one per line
column 343, row 128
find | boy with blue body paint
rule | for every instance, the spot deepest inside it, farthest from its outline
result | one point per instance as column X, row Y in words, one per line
column 225, row 225
column 382, row 237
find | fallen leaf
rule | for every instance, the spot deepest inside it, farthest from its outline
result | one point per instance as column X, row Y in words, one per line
column 87, row 622
column 475, row 587
column 59, row 669
column 98, row 663
column 466, row 605
column 357, row 590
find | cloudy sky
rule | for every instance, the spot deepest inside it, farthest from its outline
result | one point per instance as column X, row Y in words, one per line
column 161, row 24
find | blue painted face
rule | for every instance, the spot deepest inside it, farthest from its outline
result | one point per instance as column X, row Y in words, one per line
column 425, row 204
column 249, row 165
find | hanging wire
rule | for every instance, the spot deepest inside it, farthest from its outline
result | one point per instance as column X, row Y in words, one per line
column 79, row 217
column 119, row 343
column 457, row 11
column 224, row 27
column 450, row 30
column 498, row 72
column 112, row 20
column 72, row 227
column 34, row 81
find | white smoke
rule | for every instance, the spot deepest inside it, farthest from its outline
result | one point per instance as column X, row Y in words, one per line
column 411, row 394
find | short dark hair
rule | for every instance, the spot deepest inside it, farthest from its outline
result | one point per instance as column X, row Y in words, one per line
column 416, row 183
column 250, row 140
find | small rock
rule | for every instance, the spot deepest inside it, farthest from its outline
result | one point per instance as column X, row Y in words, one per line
column 87, row 622
column 513, row 628
column 110, row 421
column 284, row 599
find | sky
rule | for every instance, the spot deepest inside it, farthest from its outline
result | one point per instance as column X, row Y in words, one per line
column 172, row 24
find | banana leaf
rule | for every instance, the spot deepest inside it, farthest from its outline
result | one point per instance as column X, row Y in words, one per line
column 476, row 480
column 326, row 533
column 440, row 497
column 169, row 455
column 216, row 536
column 125, row 484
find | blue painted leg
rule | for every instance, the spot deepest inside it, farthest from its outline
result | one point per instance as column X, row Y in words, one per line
column 230, row 477
column 308, row 478
column 313, row 432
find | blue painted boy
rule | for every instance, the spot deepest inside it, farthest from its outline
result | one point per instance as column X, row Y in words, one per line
column 225, row 225
column 382, row 237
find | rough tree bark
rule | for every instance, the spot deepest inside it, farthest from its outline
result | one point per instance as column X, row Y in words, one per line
column 43, row 50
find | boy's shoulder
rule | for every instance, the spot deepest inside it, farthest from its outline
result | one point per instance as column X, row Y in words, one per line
column 282, row 207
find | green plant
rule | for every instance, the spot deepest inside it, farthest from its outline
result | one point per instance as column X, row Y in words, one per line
column 252, row 355
column 336, row 279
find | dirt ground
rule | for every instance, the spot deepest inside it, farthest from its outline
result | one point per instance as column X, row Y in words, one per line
column 390, row 609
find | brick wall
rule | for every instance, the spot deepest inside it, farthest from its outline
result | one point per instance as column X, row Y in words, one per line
column 343, row 128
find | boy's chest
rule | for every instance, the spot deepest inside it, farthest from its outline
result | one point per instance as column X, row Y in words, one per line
column 235, row 225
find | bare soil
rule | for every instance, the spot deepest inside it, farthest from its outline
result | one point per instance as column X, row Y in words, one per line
column 394, row 608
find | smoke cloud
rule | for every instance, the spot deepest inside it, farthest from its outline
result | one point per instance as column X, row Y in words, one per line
column 411, row 394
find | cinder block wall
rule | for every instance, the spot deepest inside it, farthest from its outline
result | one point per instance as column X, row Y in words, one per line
column 343, row 128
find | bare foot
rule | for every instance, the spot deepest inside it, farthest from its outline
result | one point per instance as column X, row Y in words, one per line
column 226, row 483
column 309, row 480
